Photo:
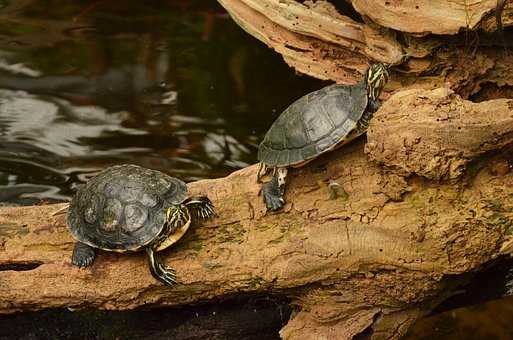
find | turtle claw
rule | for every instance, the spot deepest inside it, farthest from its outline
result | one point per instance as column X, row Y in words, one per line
column 83, row 255
column 160, row 271
column 206, row 210
column 272, row 194
column 201, row 206
column 274, row 203
column 167, row 275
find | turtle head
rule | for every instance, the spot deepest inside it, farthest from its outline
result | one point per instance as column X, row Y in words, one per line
column 377, row 76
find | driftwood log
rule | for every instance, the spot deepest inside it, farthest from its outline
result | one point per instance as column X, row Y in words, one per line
column 427, row 202
column 430, row 43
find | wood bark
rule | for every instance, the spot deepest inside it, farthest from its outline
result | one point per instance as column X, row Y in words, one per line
column 430, row 43
column 432, row 16
column 404, row 234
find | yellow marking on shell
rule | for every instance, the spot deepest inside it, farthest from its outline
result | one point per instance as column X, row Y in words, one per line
column 138, row 248
column 120, row 250
column 175, row 236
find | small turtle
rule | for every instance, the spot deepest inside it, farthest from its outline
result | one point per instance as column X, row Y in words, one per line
column 314, row 124
column 130, row 208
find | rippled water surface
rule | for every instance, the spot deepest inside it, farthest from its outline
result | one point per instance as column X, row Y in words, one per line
column 170, row 85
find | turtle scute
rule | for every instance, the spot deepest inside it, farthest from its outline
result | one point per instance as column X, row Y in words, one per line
column 112, row 214
column 313, row 124
column 136, row 216
column 123, row 207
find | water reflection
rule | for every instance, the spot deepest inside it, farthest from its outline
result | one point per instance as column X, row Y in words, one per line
column 171, row 85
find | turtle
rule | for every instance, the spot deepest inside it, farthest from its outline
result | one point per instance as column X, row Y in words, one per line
column 316, row 123
column 128, row 208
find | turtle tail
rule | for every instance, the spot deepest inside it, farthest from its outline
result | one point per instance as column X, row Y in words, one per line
column 200, row 206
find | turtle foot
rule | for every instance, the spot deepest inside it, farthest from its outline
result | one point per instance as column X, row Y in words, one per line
column 166, row 275
column 83, row 255
column 272, row 194
column 160, row 271
column 201, row 206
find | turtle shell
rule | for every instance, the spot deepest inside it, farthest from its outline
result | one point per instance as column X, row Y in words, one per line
column 123, row 208
column 313, row 124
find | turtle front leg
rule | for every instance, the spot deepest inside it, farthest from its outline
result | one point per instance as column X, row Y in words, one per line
column 159, row 270
column 201, row 206
column 83, row 255
column 273, row 190
column 372, row 106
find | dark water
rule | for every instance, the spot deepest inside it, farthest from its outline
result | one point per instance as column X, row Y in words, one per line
column 170, row 85
column 238, row 319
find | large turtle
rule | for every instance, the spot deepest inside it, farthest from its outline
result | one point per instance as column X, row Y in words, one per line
column 316, row 123
column 130, row 208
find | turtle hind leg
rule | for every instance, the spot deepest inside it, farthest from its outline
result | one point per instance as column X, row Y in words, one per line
column 201, row 206
column 83, row 255
column 273, row 194
column 159, row 270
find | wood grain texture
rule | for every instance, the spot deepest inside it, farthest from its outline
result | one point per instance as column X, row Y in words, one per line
column 377, row 258
column 440, row 43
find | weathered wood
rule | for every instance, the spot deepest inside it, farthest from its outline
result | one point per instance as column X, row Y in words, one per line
column 430, row 43
column 451, row 137
column 375, row 259
column 305, row 34
column 431, row 16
